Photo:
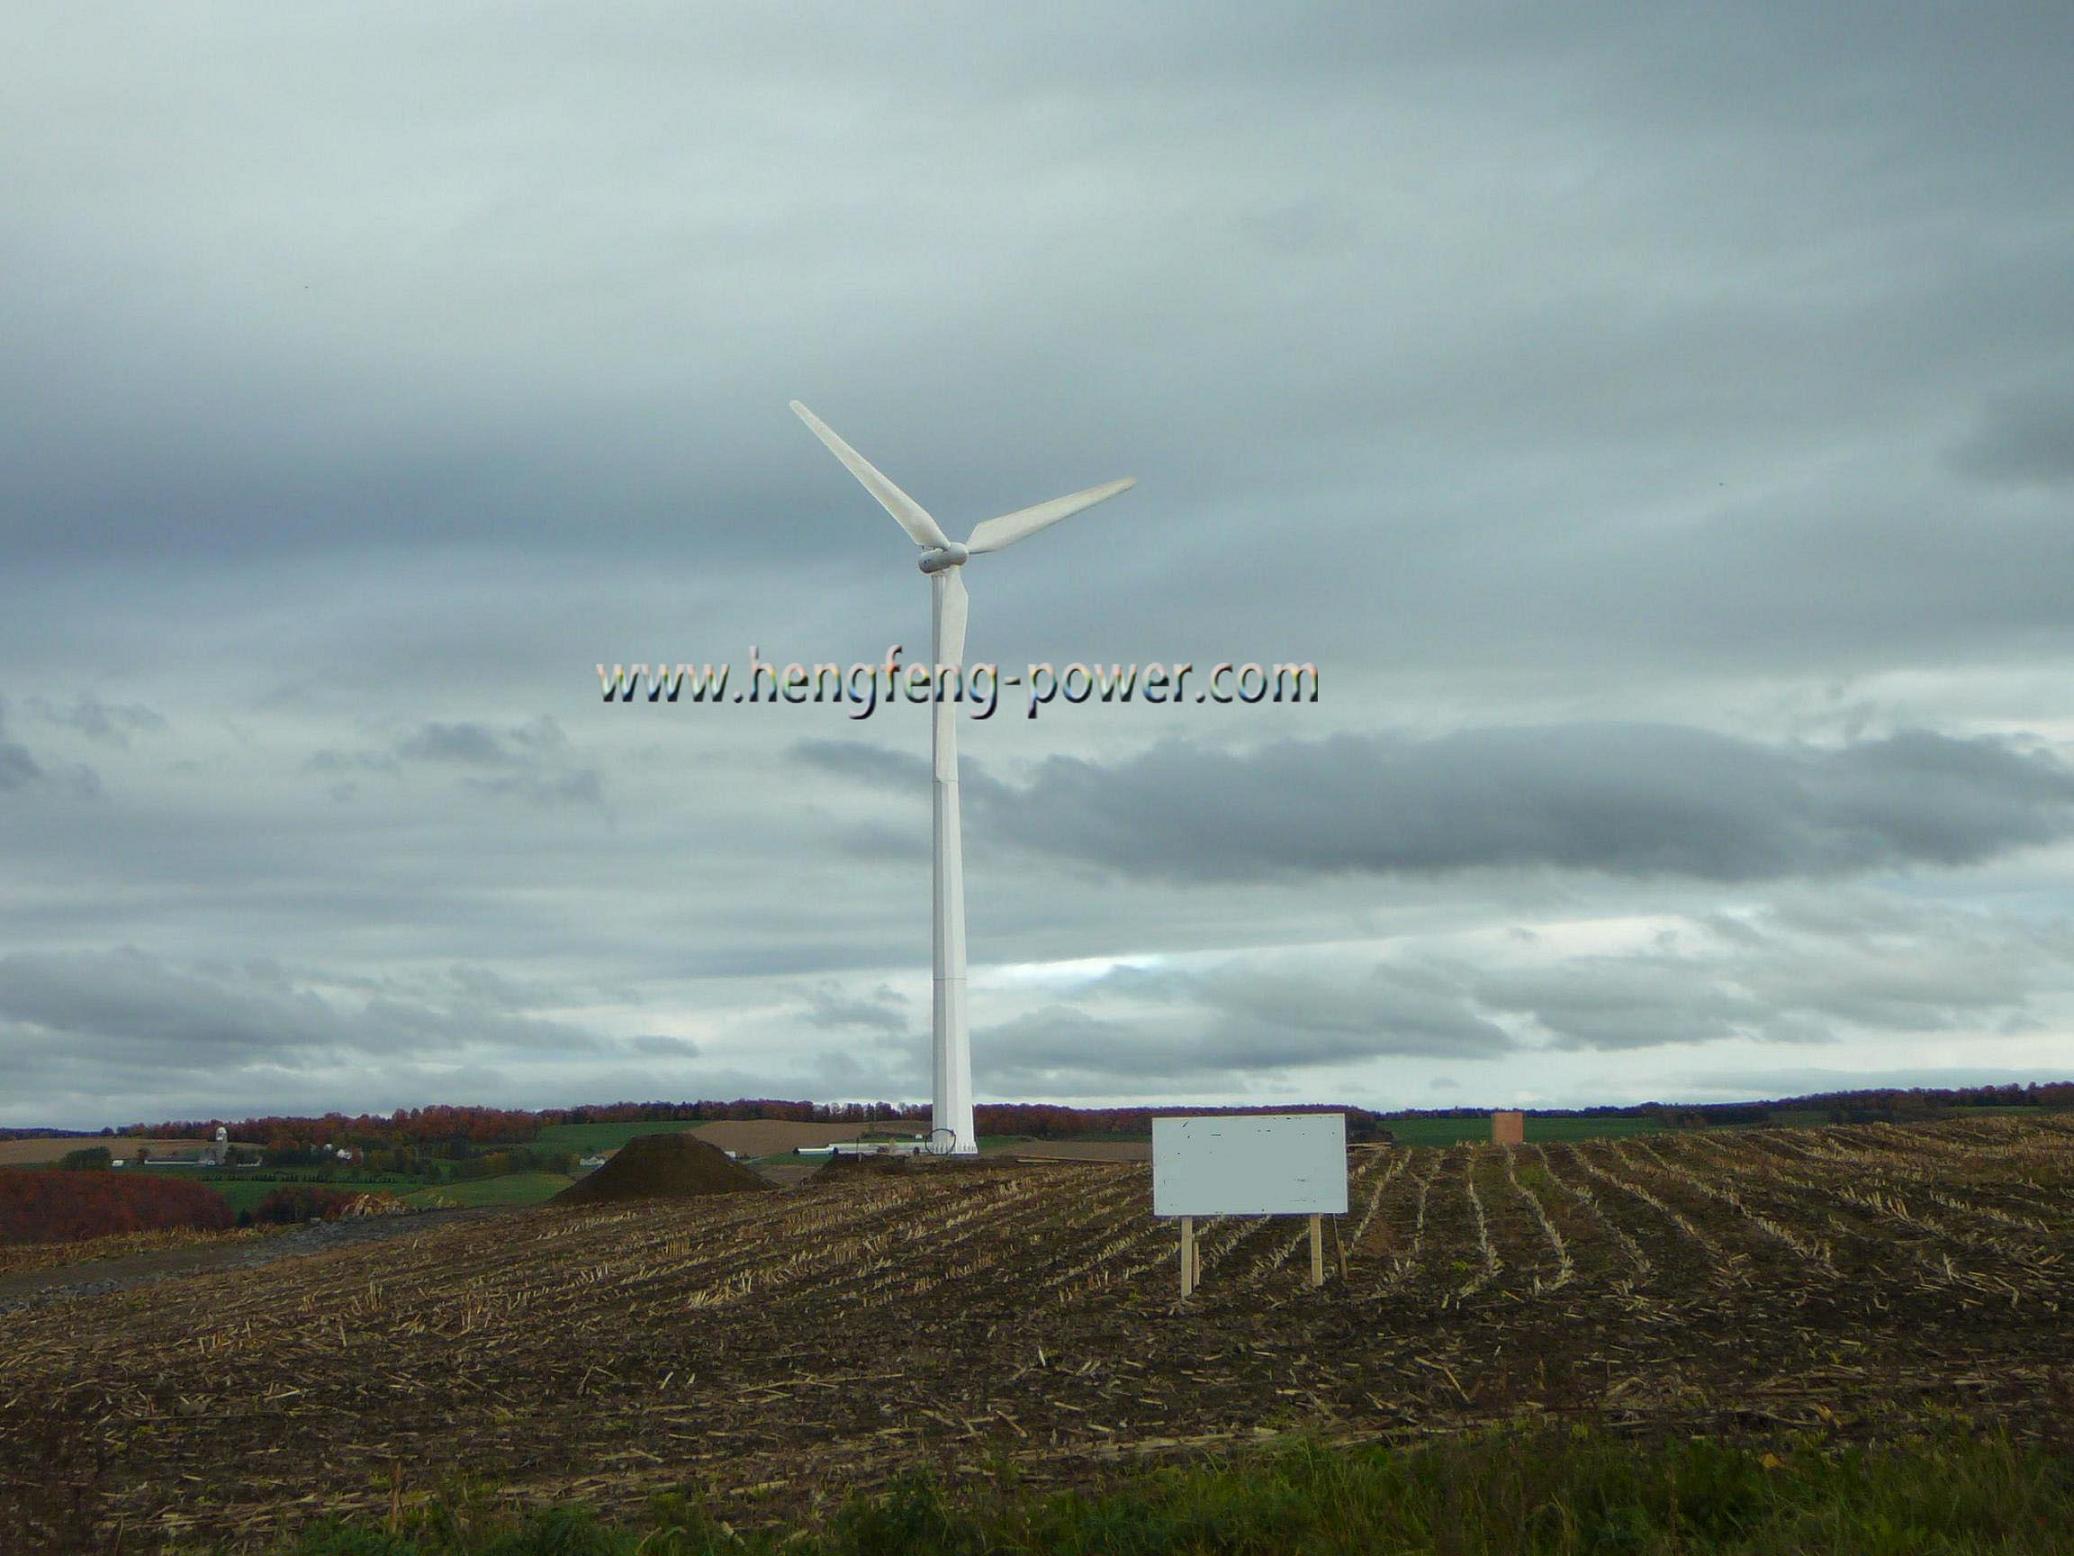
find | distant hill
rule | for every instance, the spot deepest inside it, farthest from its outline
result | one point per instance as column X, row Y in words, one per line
column 41, row 1150
column 478, row 1127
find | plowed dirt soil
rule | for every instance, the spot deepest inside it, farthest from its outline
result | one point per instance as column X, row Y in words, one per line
column 781, row 1349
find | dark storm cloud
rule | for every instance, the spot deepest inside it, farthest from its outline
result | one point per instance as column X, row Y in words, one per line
column 866, row 763
column 1886, row 965
column 881, row 1009
column 1326, row 242
column 17, row 767
column 128, row 1007
column 1635, row 1001
column 1062, row 1048
column 333, row 761
column 377, row 371
column 662, row 1047
column 579, row 788
column 1804, row 971
column 88, row 715
column 2024, row 439
column 479, row 745
column 1625, row 799
column 1256, row 1019
column 1299, row 279
column 20, row 769
column 1799, row 974
column 1266, row 1015
column 881, row 1069
column 533, row 761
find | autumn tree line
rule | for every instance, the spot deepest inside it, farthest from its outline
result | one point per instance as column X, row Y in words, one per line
column 400, row 1140
column 455, row 1133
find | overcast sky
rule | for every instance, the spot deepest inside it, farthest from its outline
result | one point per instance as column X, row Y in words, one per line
column 1657, row 424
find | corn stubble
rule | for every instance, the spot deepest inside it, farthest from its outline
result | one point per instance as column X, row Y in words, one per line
column 779, row 1351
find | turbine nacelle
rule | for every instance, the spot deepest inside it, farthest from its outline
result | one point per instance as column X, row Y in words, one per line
column 937, row 558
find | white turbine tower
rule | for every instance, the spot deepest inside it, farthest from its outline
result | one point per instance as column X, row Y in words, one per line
column 943, row 560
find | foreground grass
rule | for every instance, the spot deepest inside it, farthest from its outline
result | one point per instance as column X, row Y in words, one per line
column 1539, row 1492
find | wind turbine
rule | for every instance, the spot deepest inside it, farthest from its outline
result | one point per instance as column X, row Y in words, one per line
column 943, row 561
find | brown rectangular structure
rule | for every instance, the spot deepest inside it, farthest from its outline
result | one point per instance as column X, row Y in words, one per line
column 1509, row 1128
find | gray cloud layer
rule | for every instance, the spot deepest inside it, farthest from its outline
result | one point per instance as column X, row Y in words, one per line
column 1633, row 800
column 533, row 761
column 125, row 1004
column 1797, row 975
column 17, row 767
column 1658, row 424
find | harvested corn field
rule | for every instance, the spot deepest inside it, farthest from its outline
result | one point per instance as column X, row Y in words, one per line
column 782, row 1349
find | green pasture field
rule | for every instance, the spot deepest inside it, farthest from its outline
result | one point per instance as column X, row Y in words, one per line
column 246, row 1193
column 514, row 1188
column 244, row 1190
column 586, row 1138
column 1520, row 1493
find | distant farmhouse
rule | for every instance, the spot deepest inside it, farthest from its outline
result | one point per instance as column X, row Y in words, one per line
column 181, row 1153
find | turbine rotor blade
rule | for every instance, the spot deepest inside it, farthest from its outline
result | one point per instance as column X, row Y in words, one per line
column 999, row 534
column 911, row 515
column 950, row 640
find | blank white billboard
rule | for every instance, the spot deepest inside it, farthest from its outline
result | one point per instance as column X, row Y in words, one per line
column 1261, row 1164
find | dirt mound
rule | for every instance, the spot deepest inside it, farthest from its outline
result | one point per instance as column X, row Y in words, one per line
column 666, row 1166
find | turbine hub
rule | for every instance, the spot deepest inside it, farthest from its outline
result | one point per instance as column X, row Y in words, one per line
column 937, row 558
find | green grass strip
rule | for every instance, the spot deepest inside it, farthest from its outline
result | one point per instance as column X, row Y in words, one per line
column 1547, row 1493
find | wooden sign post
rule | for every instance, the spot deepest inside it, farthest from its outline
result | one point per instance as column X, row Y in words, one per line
column 1252, row 1164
